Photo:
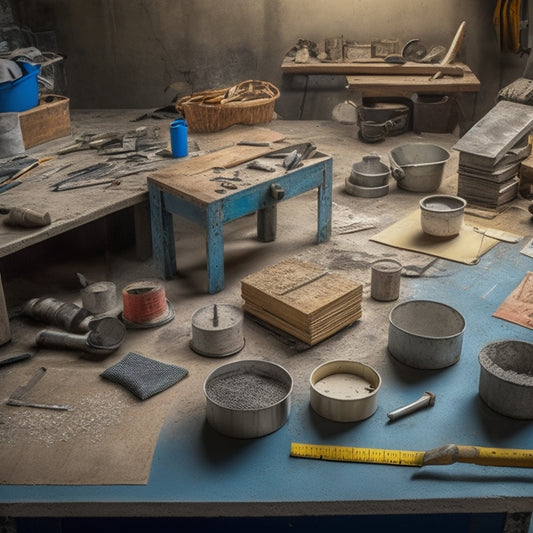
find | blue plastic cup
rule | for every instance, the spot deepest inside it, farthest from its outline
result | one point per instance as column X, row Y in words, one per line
column 178, row 138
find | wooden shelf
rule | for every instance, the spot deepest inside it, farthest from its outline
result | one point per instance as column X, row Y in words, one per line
column 386, row 79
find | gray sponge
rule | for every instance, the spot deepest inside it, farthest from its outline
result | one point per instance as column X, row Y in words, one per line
column 143, row 376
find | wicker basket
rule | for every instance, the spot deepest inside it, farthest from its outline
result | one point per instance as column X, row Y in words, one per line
column 205, row 118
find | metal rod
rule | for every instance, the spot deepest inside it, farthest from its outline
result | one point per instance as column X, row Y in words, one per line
column 215, row 316
column 426, row 400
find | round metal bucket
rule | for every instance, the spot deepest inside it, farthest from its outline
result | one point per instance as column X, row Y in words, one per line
column 344, row 391
column 506, row 380
column 442, row 215
column 425, row 334
column 248, row 399
column 418, row 167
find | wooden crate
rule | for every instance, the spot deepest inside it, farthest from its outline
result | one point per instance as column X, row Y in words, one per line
column 45, row 122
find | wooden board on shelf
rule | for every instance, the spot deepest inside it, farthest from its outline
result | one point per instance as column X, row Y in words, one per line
column 372, row 66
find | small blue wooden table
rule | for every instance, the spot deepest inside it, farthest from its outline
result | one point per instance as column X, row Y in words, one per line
column 217, row 196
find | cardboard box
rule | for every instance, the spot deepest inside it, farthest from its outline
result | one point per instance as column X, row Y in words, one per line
column 47, row 121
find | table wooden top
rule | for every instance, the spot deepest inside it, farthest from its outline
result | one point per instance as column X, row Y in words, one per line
column 213, row 183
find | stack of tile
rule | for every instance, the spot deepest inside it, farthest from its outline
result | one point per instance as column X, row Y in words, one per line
column 490, row 185
column 491, row 153
column 302, row 299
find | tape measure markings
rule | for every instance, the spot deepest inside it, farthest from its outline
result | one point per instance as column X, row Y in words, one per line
column 357, row 455
column 444, row 455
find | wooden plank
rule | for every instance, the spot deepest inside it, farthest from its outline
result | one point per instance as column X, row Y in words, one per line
column 227, row 157
column 375, row 67
column 210, row 142
column 456, row 44
column 383, row 85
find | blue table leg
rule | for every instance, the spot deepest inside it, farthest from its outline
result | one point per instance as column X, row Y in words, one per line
column 163, row 247
column 267, row 220
column 325, row 203
column 215, row 248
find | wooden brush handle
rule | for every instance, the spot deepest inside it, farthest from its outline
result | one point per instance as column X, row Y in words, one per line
column 454, row 453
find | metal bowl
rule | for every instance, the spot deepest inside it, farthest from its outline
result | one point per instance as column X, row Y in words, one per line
column 425, row 334
column 418, row 167
column 442, row 215
column 506, row 378
column 248, row 399
column 344, row 391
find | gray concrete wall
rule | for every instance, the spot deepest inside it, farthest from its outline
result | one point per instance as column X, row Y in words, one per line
column 125, row 53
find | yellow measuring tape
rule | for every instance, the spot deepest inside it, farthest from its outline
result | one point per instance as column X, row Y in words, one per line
column 444, row 455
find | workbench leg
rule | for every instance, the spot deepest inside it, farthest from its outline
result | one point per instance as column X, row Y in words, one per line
column 325, row 204
column 215, row 249
column 163, row 246
column 267, row 221
column 143, row 237
column 5, row 331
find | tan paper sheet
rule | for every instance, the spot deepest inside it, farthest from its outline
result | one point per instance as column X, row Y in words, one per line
column 107, row 436
column 466, row 248
column 518, row 306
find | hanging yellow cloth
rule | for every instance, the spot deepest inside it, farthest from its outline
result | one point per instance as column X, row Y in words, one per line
column 506, row 22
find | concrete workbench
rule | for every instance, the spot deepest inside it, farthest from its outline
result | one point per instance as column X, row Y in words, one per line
column 71, row 209
column 200, row 478
column 199, row 473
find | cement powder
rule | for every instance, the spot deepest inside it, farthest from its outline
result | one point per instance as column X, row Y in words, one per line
column 89, row 418
column 246, row 391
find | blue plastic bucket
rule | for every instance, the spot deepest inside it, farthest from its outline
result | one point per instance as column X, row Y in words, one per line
column 23, row 93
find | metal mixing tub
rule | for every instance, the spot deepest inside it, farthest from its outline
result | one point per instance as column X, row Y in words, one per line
column 418, row 167
column 426, row 334
column 506, row 378
column 248, row 399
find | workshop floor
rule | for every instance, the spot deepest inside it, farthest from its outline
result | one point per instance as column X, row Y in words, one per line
column 99, row 252
column 50, row 268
